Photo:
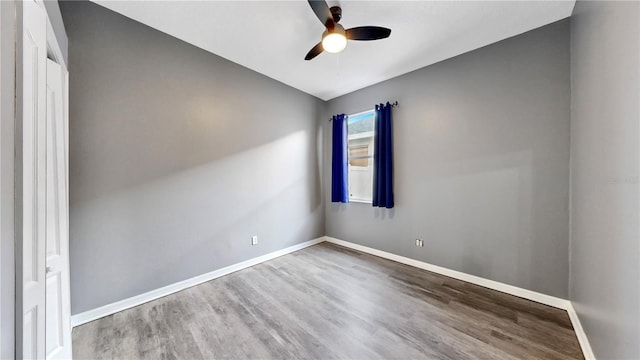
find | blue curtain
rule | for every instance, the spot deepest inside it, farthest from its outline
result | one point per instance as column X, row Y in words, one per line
column 383, row 158
column 339, row 176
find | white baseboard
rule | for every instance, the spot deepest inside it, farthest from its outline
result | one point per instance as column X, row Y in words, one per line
column 491, row 284
column 87, row 316
column 582, row 336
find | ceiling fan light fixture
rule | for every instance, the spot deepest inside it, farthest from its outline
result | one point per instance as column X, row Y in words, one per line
column 335, row 41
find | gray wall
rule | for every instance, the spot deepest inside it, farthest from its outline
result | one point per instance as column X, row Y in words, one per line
column 481, row 163
column 605, row 241
column 7, row 92
column 177, row 157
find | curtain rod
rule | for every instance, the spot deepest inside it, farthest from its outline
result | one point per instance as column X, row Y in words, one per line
column 393, row 104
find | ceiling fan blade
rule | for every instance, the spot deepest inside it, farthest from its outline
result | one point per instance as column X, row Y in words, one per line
column 367, row 33
column 321, row 9
column 315, row 51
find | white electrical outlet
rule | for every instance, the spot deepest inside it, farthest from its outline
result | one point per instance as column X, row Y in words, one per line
column 254, row 240
column 419, row 243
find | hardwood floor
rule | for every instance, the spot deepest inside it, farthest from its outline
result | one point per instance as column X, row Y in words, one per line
column 327, row 302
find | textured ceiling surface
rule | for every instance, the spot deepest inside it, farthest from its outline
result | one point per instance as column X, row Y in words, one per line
column 272, row 37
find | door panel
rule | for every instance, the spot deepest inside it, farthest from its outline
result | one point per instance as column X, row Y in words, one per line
column 58, row 342
column 54, row 313
column 30, row 345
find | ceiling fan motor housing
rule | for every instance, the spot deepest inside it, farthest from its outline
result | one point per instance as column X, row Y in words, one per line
column 336, row 13
column 337, row 29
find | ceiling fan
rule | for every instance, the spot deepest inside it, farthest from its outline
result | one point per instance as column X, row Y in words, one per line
column 334, row 38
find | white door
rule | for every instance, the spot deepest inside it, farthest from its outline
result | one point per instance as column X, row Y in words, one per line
column 31, row 183
column 58, row 312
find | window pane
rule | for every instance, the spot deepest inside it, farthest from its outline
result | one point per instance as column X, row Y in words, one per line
column 360, row 141
column 357, row 155
column 361, row 181
column 359, row 124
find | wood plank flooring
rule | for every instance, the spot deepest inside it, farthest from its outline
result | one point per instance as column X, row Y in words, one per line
column 329, row 302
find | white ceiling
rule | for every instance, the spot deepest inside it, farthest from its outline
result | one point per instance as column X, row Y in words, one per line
column 272, row 37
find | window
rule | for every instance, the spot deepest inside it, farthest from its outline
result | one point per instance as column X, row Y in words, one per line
column 360, row 130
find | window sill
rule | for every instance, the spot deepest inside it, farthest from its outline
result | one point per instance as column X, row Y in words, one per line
column 362, row 201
